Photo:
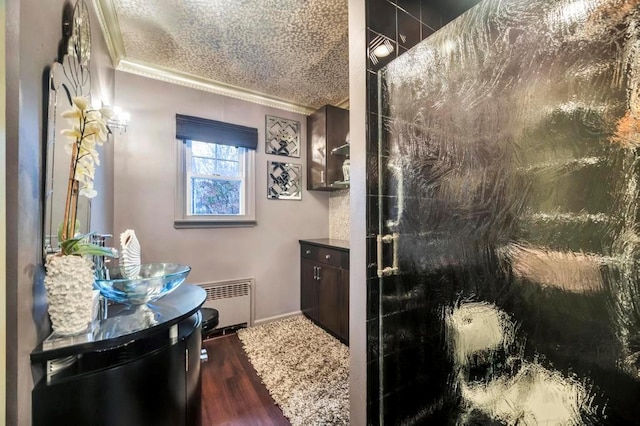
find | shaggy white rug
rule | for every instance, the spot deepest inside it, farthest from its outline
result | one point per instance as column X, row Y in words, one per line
column 305, row 369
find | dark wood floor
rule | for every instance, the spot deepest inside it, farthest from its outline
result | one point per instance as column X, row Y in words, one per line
column 232, row 393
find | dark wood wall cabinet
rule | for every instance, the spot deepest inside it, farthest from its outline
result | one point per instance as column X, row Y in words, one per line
column 324, row 285
column 327, row 149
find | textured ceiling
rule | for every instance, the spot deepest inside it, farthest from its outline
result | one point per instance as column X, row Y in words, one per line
column 295, row 50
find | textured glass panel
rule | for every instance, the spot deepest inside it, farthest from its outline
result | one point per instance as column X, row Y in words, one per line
column 511, row 143
column 215, row 197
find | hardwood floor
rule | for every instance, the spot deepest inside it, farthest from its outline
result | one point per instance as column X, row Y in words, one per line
column 232, row 393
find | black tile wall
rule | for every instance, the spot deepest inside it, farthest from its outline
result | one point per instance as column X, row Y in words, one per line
column 372, row 89
column 426, row 31
column 373, row 293
column 410, row 6
column 381, row 18
column 408, row 30
column 429, row 15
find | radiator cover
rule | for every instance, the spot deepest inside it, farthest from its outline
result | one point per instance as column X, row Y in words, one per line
column 233, row 299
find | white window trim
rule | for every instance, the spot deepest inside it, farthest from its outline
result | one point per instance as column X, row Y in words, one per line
column 183, row 220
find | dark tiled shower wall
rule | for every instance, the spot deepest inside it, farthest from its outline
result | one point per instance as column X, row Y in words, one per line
column 404, row 23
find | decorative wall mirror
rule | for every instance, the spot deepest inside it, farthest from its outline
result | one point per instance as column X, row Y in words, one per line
column 67, row 79
column 284, row 181
column 282, row 136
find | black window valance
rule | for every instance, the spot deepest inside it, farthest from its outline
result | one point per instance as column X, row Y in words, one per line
column 204, row 130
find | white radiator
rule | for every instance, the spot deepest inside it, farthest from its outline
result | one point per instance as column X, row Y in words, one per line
column 233, row 299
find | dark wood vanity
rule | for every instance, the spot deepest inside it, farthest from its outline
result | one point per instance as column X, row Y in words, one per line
column 139, row 366
column 324, row 284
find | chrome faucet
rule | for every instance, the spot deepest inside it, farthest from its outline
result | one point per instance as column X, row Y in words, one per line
column 99, row 262
column 101, row 271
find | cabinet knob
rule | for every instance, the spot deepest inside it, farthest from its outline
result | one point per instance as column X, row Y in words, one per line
column 328, row 256
column 307, row 252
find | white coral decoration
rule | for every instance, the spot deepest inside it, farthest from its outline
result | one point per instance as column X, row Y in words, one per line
column 89, row 128
column 69, row 284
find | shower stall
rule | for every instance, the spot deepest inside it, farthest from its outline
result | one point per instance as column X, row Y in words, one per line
column 503, row 220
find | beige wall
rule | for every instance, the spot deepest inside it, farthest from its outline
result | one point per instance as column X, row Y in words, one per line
column 30, row 53
column 145, row 175
column 357, row 273
column 3, row 219
column 33, row 34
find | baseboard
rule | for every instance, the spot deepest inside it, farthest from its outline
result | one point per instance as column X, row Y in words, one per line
column 276, row 318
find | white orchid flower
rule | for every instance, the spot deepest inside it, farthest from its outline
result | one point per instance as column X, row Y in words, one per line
column 81, row 102
column 89, row 130
column 106, row 113
column 98, row 129
column 88, row 192
column 74, row 133
column 73, row 115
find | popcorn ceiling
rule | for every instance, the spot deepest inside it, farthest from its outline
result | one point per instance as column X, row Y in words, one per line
column 292, row 49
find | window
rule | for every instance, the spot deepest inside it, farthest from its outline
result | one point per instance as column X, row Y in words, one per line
column 215, row 176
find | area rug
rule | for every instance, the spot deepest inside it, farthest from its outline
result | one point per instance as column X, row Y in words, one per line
column 305, row 370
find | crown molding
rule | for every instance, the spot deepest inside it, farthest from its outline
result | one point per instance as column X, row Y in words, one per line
column 105, row 10
column 195, row 82
column 108, row 19
column 343, row 103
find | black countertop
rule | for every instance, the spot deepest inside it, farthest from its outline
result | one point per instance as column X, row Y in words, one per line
column 328, row 242
column 124, row 324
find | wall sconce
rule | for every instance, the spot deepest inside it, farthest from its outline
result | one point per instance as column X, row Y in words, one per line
column 120, row 120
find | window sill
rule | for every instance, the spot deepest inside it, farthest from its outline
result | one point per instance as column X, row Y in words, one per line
column 212, row 223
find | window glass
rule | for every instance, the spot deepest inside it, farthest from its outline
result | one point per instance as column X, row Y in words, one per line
column 215, row 197
column 217, row 185
column 215, row 179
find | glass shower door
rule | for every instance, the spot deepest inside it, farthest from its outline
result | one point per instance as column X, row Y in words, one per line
column 506, row 244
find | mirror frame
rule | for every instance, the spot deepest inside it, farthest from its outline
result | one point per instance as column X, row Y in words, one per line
column 67, row 78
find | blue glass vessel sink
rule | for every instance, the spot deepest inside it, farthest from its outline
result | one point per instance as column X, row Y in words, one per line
column 141, row 284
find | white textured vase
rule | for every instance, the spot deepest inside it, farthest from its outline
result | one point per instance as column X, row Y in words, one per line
column 130, row 253
column 69, row 284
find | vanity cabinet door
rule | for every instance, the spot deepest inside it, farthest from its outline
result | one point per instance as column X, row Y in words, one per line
column 309, row 289
column 329, row 295
column 324, row 288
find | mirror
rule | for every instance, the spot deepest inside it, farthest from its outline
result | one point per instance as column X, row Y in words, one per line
column 67, row 79
column 284, row 181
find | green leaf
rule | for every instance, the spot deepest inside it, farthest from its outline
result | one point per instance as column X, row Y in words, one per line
column 92, row 250
column 60, row 229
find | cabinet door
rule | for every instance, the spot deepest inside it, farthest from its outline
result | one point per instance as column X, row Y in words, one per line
column 309, row 289
column 327, row 128
column 337, row 130
column 317, row 150
column 329, row 293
